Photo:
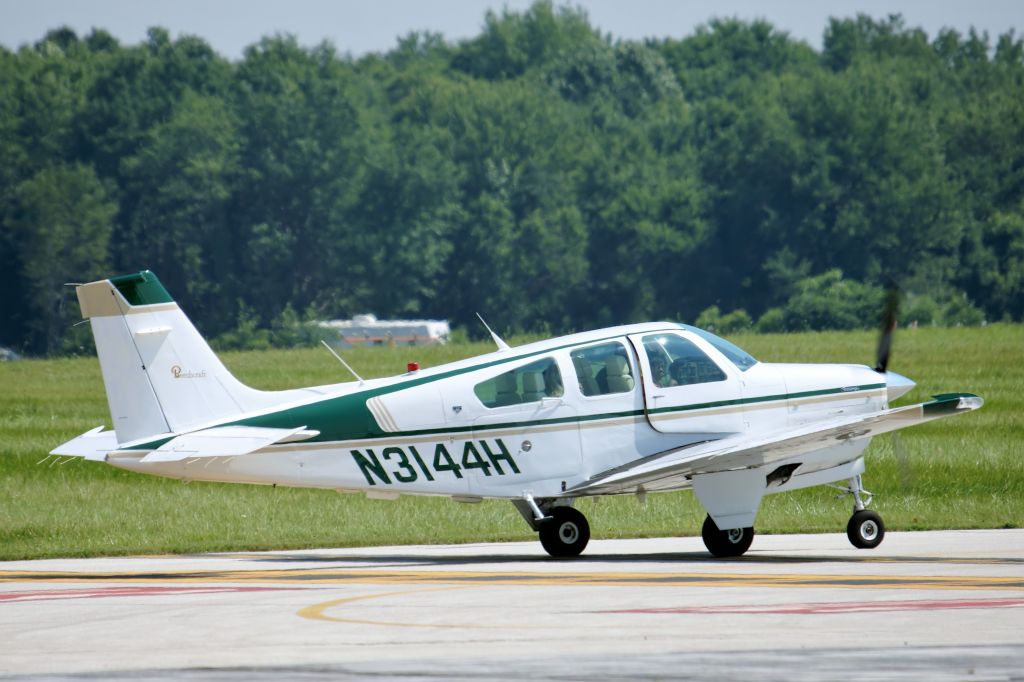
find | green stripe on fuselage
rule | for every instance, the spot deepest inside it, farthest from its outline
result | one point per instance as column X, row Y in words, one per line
column 347, row 418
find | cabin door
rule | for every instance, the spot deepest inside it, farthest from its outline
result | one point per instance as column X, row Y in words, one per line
column 685, row 389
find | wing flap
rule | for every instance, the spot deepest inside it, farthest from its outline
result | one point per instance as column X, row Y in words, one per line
column 225, row 441
column 671, row 469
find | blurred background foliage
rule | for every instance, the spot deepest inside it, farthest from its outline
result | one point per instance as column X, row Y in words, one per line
column 539, row 173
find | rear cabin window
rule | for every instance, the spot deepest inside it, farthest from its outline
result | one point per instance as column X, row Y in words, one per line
column 676, row 361
column 526, row 384
column 603, row 369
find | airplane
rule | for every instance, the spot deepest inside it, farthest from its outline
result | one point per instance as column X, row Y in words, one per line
column 634, row 409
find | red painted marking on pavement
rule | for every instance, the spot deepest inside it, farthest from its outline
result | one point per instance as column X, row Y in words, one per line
column 92, row 593
column 839, row 607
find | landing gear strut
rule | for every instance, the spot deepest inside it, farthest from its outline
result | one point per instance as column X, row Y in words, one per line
column 726, row 543
column 865, row 528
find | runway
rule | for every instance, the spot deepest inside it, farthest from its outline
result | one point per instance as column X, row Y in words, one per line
column 935, row 605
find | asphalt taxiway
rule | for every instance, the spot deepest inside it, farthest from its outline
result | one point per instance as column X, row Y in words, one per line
column 935, row 605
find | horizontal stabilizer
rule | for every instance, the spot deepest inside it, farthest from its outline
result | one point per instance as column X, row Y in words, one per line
column 672, row 470
column 225, row 441
column 94, row 445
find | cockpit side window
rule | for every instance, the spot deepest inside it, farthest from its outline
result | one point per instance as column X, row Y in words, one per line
column 526, row 384
column 603, row 369
column 676, row 361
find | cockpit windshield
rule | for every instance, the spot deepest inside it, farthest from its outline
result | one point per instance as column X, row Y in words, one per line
column 739, row 357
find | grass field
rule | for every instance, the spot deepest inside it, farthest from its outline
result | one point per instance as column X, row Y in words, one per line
column 964, row 472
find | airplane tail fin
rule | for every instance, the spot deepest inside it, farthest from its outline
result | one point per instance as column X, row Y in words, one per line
column 160, row 375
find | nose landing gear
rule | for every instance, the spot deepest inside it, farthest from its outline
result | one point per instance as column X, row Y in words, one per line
column 865, row 529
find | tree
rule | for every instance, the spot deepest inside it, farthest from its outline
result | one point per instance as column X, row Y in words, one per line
column 302, row 151
column 539, row 173
column 63, row 224
column 513, row 43
column 177, row 189
column 828, row 301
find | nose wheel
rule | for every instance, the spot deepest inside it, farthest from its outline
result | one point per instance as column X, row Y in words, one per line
column 865, row 529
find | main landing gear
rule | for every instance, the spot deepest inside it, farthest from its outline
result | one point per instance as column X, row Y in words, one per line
column 726, row 543
column 865, row 529
column 565, row 533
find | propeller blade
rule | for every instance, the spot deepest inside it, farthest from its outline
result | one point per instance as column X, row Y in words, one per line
column 889, row 312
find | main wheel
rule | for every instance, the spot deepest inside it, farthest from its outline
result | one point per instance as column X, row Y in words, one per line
column 566, row 533
column 726, row 543
column 865, row 529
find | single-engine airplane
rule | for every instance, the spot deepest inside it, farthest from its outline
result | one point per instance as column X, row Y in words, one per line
column 634, row 409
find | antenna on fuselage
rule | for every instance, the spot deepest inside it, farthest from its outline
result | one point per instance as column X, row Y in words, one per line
column 497, row 339
column 347, row 366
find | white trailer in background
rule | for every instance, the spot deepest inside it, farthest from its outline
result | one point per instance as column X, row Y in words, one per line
column 367, row 330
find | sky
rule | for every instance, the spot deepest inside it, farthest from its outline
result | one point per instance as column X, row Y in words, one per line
column 360, row 26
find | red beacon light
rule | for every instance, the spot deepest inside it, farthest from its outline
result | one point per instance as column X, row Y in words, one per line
column 413, row 367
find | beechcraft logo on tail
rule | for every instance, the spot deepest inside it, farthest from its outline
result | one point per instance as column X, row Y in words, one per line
column 180, row 373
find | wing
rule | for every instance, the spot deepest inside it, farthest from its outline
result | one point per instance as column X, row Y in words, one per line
column 673, row 469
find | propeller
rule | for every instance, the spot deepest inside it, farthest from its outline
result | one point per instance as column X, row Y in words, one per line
column 890, row 309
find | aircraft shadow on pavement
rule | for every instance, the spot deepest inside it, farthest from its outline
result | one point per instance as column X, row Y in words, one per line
column 752, row 558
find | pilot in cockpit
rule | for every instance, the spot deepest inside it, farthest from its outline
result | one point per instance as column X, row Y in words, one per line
column 659, row 371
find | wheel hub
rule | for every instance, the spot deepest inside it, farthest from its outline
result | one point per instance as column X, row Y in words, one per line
column 869, row 530
column 568, row 533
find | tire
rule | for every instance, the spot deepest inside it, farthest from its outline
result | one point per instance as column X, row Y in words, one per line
column 565, row 534
column 726, row 543
column 865, row 529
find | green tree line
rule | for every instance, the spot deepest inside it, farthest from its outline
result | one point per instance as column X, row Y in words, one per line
column 539, row 173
